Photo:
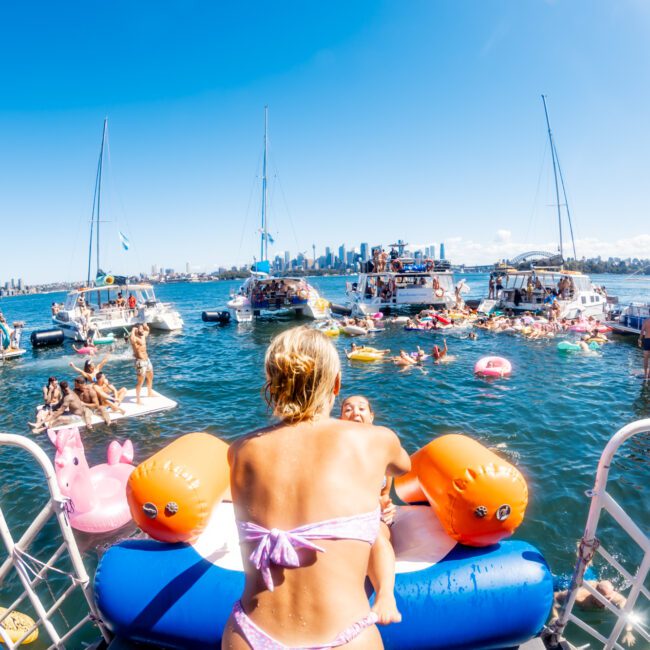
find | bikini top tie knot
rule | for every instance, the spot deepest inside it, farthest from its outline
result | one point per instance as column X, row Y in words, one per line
column 279, row 547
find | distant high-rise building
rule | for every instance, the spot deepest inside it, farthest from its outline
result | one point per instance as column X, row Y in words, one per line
column 154, row 269
column 349, row 259
column 328, row 256
column 13, row 283
column 442, row 251
column 364, row 252
column 20, row 284
column 287, row 259
column 342, row 254
column 187, row 268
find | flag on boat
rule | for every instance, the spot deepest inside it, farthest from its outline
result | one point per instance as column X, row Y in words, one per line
column 269, row 239
column 125, row 241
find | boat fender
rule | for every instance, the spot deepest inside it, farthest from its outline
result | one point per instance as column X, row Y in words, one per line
column 221, row 317
column 172, row 494
column 439, row 293
column 479, row 498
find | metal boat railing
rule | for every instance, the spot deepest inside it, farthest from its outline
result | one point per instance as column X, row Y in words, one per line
column 65, row 564
column 590, row 545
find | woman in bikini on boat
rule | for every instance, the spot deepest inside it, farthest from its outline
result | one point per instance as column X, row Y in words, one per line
column 305, row 494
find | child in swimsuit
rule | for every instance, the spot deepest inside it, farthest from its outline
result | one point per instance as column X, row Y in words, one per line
column 381, row 567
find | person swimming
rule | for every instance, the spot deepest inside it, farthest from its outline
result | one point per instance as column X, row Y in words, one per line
column 305, row 581
column 381, row 567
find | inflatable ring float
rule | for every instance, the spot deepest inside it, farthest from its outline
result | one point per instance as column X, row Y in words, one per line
column 16, row 624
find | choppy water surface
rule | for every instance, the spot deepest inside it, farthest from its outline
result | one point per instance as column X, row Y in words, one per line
column 551, row 418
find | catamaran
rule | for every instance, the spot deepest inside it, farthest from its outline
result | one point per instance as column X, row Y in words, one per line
column 534, row 289
column 263, row 293
column 404, row 283
column 110, row 303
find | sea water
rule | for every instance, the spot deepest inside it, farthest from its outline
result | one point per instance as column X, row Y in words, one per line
column 551, row 418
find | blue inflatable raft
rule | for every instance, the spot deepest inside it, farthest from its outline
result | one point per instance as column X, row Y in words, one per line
column 451, row 597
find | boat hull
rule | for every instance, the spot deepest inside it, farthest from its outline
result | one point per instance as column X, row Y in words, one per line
column 180, row 596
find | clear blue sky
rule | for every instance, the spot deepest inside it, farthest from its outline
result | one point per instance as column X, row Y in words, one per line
column 418, row 119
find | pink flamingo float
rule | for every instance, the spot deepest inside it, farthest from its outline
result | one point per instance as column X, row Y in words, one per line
column 97, row 494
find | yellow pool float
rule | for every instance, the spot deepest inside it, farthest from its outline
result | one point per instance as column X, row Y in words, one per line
column 366, row 354
column 16, row 624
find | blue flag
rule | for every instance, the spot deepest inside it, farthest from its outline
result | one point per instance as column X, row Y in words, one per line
column 125, row 241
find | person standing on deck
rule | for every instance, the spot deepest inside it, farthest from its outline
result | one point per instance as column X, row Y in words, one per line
column 143, row 365
column 644, row 344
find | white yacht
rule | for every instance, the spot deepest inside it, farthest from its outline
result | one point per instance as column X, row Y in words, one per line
column 263, row 294
column 404, row 284
column 535, row 288
column 110, row 303
column 105, row 309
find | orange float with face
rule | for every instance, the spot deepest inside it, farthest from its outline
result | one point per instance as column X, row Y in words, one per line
column 172, row 494
column 479, row 498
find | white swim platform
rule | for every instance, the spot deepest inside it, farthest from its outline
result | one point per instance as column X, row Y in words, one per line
column 153, row 404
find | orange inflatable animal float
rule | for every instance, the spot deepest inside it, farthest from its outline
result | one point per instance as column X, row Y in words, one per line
column 479, row 498
column 172, row 494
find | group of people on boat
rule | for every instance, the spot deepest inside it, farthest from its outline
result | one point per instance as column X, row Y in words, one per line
column 277, row 292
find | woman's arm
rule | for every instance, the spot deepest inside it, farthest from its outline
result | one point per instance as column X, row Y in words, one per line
column 398, row 460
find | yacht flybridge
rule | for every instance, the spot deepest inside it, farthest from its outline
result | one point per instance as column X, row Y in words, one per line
column 403, row 283
column 110, row 303
column 262, row 293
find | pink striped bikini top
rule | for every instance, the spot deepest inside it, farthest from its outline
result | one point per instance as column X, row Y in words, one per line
column 279, row 546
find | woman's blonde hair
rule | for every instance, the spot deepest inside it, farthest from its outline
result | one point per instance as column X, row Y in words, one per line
column 301, row 369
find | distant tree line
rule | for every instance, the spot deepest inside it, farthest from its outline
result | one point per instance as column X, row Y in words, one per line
column 611, row 265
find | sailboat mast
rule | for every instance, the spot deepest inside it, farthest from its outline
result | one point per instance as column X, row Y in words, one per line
column 99, row 183
column 557, row 191
column 96, row 201
column 264, row 248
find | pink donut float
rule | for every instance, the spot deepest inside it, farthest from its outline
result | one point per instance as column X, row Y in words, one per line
column 377, row 315
column 97, row 494
column 493, row 367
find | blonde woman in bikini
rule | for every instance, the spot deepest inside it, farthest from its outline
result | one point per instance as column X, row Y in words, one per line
column 305, row 496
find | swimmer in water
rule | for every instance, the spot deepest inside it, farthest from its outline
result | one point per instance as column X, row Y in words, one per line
column 404, row 359
column 441, row 355
column 586, row 601
column 381, row 565
column 87, row 348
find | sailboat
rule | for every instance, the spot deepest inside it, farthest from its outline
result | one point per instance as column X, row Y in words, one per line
column 263, row 293
column 547, row 281
column 110, row 303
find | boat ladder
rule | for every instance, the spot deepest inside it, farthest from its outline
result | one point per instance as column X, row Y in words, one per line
column 590, row 545
column 45, row 583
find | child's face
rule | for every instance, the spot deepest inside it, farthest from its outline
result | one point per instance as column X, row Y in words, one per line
column 357, row 409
